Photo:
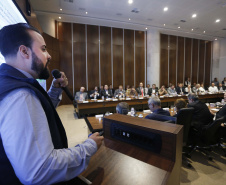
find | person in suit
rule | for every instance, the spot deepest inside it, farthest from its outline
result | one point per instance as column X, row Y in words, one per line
column 221, row 88
column 106, row 92
column 162, row 90
column 179, row 104
column 111, row 89
column 122, row 108
column 222, row 111
column 94, row 94
column 128, row 89
column 81, row 95
column 154, row 105
column 213, row 88
column 153, row 90
column 171, row 90
column 215, row 81
column 101, row 89
column 140, row 90
column 147, row 88
column 201, row 116
column 180, row 89
column 187, row 82
column 120, row 92
column 224, row 82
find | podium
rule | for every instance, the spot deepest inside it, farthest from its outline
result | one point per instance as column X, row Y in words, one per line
column 138, row 151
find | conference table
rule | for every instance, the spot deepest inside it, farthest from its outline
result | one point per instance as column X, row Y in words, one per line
column 109, row 105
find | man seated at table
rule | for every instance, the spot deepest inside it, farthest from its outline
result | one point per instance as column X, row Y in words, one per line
column 140, row 90
column 171, row 90
column 120, row 92
column 201, row 116
column 81, row 95
column 179, row 104
column 101, row 89
column 199, row 89
column 122, row 108
column 147, row 89
column 222, row 111
column 213, row 88
column 132, row 93
column 111, row 89
column 154, row 105
column 153, row 90
column 180, row 89
column 162, row 90
column 106, row 92
column 221, row 88
column 94, row 94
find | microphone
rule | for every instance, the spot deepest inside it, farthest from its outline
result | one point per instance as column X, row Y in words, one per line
column 56, row 74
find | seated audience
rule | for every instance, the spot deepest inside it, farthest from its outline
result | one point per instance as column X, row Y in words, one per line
column 162, row 90
column 215, row 81
column 106, row 92
column 122, row 108
column 180, row 89
column 221, row 87
column 120, row 92
column 171, row 90
column 224, row 82
column 81, row 95
column 187, row 82
column 140, row 90
column 153, row 90
column 154, row 104
column 222, row 111
column 94, row 94
column 111, row 89
column 201, row 116
column 147, row 88
column 132, row 93
column 199, row 89
column 188, row 89
column 101, row 89
column 179, row 104
column 213, row 88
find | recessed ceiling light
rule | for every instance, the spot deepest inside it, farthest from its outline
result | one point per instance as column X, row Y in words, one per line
column 204, row 31
column 215, row 38
column 146, row 28
column 129, row 19
column 218, row 20
column 192, row 29
column 130, row 1
column 194, row 15
column 59, row 17
column 179, row 27
column 164, row 24
column 165, row 9
column 86, row 12
column 61, row 9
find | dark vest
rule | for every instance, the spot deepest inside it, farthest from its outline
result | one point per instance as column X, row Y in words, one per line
column 11, row 79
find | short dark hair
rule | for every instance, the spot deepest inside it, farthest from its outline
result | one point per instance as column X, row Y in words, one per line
column 122, row 108
column 193, row 97
column 180, row 103
column 13, row 36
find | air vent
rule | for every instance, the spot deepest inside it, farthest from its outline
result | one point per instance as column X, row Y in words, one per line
column 135, row 10
column 69, row 1
column 182, row 21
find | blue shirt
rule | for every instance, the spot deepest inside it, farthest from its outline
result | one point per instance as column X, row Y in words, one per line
column 27, row 141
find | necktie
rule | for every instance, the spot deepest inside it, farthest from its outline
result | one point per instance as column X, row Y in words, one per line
column 142, row 93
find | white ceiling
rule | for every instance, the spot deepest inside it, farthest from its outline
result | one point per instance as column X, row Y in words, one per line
column 116, row 13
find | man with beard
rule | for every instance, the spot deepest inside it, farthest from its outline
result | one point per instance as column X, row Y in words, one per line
column 33, row 142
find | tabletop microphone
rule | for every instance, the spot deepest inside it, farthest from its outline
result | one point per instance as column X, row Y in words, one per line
column 56, row 74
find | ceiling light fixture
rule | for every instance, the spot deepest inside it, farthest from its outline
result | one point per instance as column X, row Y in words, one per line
column 215, row 38
column 194, row 15
column 204, row 31
column 61, row 9
column 146, row 28
column 164, row 24
column 165, row 9
column 192, row 29
column 178, row 27
column 59, row 17
column 129, row 19
column 218, row 20
column 86, row 12
column 130, row 1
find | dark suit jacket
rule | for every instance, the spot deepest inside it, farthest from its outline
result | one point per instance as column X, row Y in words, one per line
column 151, row 89
column 139, row 91
column 109, row 95
column 93, row 91
column 221, row 112
column 156, row 115
column 201, row 115
column 179, row 90
column 223, row 87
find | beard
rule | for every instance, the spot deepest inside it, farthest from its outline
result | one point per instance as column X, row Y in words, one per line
column 39, row 68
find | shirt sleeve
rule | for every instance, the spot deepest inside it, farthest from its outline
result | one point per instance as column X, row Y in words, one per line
column 28, row 145
column 55, row 95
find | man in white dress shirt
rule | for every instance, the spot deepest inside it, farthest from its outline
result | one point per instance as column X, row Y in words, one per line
column 213, row 88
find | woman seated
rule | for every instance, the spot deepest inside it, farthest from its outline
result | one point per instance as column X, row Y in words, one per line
column 179, row 104
column 132, row 93
column 162, row 90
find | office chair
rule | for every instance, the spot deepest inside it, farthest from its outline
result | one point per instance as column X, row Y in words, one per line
column 184, row 117
column 208, row 138
column 168, row 119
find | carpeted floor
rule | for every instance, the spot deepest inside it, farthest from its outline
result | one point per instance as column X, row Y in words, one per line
column 203, row 171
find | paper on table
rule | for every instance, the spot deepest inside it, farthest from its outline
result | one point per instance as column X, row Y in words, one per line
column 99, row 116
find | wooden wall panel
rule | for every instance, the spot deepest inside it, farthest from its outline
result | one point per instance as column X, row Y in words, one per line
column 117, row 57
column 208, row 63
column 105, row 55
column 201, row 61
column 79, row 51
column 163, row 60
column 180, row 60
column 172, row 58
column 129, row 57
column 93, row 56
column 139, row 58
column 64, row 36
column 188, row 51
column 195, row 58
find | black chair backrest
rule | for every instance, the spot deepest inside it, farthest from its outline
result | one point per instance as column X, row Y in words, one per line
column 160, row 117
column 184, row 117
column 211, row 135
